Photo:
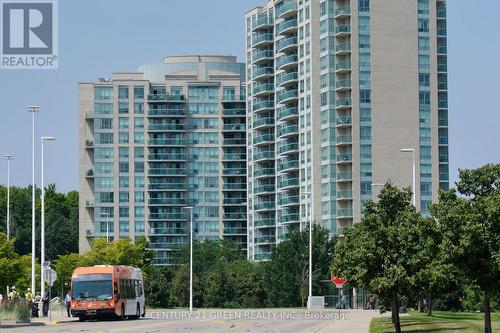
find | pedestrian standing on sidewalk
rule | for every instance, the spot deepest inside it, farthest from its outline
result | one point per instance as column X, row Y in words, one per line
column 67, row 300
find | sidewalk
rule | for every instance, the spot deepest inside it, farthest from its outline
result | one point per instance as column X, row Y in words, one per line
column 358, row 322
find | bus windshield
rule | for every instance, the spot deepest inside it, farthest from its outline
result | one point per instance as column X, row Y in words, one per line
column 92, row 287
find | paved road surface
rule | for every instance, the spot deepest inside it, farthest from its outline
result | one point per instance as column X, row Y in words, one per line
column 214, row 321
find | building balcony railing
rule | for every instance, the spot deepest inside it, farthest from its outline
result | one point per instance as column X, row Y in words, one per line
column 166, row 98
column 343, row 84
column 287, row 112
column 287, row 60
column 263, row 139
column 234, row 112
column 343, row 48
column 287, row 77
column 235, row 186
column 167, row 112
column 343, row 29
column 234, row 127
column 288, row 165
column 262, row 22
column 167, row 201
column 235, row 216
column 262, row 39
column 234, row 201
column 234, row 156
column 266, row 172
column 287, row 218
column 288, row 183
column 289, row 200
column 260, row 56
column 288, row 148
column 263, row 72
column 260, row 223
column 344, row 139
column 343, row 66
column 264, row 239
column 233, row 98
column 344, row 176
column 266, row 205
column 263, row 121
column 167, row 186
column 344, row 158
column 288, row 130
column 342, row 12
column 262, row 89
column 442, row 68
column 264, row 189
column 234, row 171
column 285, row 26
column 344, row 213
column 287, row 43
column 166, row 142
column 166, row 127
column 166, row 157
column 341, row 195
column 264, row 155
column 234, row 141
column 263, row 105
column 288, row 8
column 235, row 231
column 287, row 96
column 166, row 171
column 167, row 231
column 167, row 216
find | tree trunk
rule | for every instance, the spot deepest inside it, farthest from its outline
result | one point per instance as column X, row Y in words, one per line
column 395, row 313
column 429, row 304
column 487, row 313
column 419, row 305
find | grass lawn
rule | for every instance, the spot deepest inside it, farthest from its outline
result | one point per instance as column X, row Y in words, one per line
column 440, row 321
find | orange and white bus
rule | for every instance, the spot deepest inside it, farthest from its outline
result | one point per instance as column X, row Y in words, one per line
column 107, row 291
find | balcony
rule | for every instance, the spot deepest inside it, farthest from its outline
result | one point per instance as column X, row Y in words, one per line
column 89, row 204
column 344, row 158
column 287, row 78
column 288, row 8
column 262, row 22
column 263, row 105
column 441, row 32
column 263, row 122
column 235, row 231
column 288, row 165
column 234, row 157
column 263, row 73
column 443, row 104
column 89, row 173
column 285, row 131
column 234, row 112
column 344, row 139
column 166, row 127
column 266, row 172
column 262, row 39
column 265, row 205
column 287, row 96
column 264, row 239
column 286, row 183
column 289, row 218
column 167, row 216
column 442, row 85
column 442, row 68
column 89, row 144
column 234, row 171
column 343, row 48
column 166, row 157
column 167, row 201
column 263, row 139
column 235, row 216
column 341, row 12
column 289, row 200
column 343, row 85
column 234, row 127
column 168, row 186
column 443, row 140
column 286, row 61
column 263, row 89
column 344, row 213
column 262, row 56
column 441, row 13
column 343, row 67
column 264, row 189
column 342, row 30
column 285, row 44
column 260, row 223
column 234, row 142
column 263, row 155
column 344, row 122
column 167, row 112
column 166, row 98
column 233, row 98
column 235, row 186
column 167, row 231
column 442, row 50
column 166, row 171
column 344, row 195
column 286, row 26
column 288, row 148
column 234, row 201
column 443, row 122
column 285, row 113
column 262, row 256
column 344, row 176
column 89, row 115
column 166, row 142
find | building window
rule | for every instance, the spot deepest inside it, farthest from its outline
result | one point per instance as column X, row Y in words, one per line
column 365, row 96
column 123, row 197
column 139, row 167
column 138, row 92
column 139, row 108
column 103, row 93
column 123, row 152
column 364, row 5
column 123, row 92
column 123, row 167
column 139, row 152
column 123, row 107
column 123, row 137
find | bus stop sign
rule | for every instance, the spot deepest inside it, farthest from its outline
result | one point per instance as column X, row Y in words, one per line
column 338, row 281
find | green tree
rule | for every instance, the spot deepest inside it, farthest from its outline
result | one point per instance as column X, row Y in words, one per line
column 10, row 263
column 378, row 253
column 157, row 285
column 469, row 217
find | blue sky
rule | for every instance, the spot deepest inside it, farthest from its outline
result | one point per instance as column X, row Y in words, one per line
column 98, row 37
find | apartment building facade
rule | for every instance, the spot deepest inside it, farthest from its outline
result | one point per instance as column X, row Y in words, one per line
column 172, row 135
column 335, row 90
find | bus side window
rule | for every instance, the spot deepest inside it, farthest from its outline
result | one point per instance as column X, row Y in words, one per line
column 116, row 292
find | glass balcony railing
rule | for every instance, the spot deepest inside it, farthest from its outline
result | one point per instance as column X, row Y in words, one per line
column 344, row 139
column 262, row 22
column 262, row 256
column 345, row 175
column 344, row 121
column 166, row 157
column 234, row 112
column 234, row 141
column 343, row 66
column 167, row 231
column 166, row 171
column 286, row 60
column 235, row 231
column 264, row 239
column 288, row 130
column 264, row 223
column 167, row 186
column 235, row 216
column 441, row 32
column 291, row 217
column 292, row 164
column 343, row 84
column 287, row 95
column 263, row 72
column 344, row 157
column 443, row 122
column 234, row 171
column 263, row 55
column 167, row 201
column 264, row 189
column 262, row 38
column 286, row 25
column 344, row 194
column 443, row 104
column 289, row 200
column 288, row 183
column 263, row 155
column 286, row 43
column 166, row 98
column 346, row 213
column 342, row 11
column 286, row 77
column 166, row 142
column 166, row 127
column 443, row 140
column 343, row 47
column 285, row 112
column 258, row 122
column 288, row 7
column 234, row 127
column 442, row 67
column 267, row 172
column 234, row 156
column 441, row 13
column 235, row 186
column 265, row 205
column 263, row 105
column 263, row 88
column 234, row 201
column 263, row 138
column 287, row 148
column 342, row 29
column 167, row 216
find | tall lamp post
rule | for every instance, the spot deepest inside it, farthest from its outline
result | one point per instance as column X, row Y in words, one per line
column 106, row 215
column 8, row 158
column 33, row 109
column 190, row 258
column 42, row 227
column 309, row 205
column 414, row 189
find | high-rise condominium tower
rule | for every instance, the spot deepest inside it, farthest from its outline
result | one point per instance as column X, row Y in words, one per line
column 154, row 142
column 336, row 88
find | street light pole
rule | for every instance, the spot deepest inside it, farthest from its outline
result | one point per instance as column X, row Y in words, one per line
column 8, row 158
column 42, row 227
column 107, row 225
column 414, row 189
column 190, row 258
column 33, row 109
column 309, row 205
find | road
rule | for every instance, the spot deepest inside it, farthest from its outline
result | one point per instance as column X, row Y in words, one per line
column 214, row 321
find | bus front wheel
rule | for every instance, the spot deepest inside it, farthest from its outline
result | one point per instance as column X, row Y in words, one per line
column 81, row 318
